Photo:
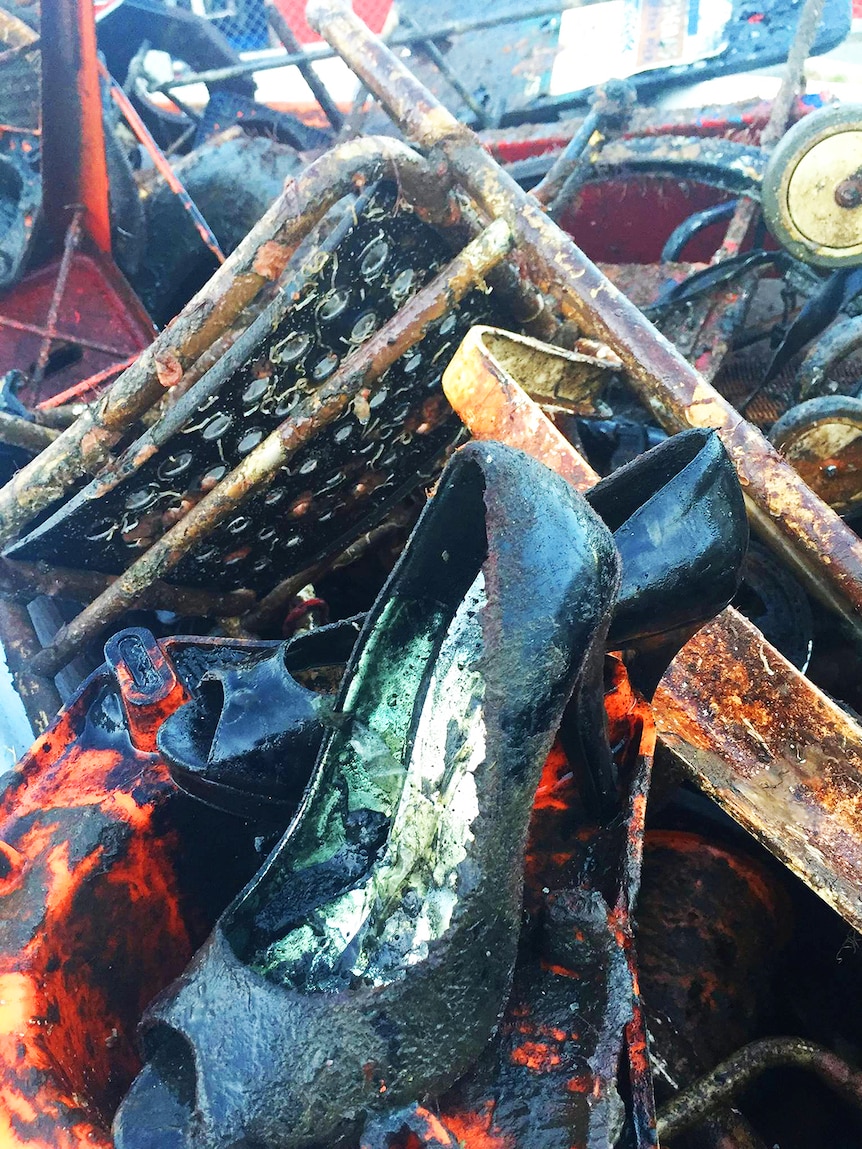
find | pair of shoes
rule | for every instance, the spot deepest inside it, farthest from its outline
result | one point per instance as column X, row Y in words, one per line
column 370, row 959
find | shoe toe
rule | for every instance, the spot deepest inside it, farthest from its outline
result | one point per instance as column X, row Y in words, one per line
column 151, row 1116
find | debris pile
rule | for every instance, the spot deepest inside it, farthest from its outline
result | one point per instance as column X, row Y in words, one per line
column 431, row 577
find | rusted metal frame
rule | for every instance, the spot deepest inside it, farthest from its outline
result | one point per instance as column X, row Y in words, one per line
column 551, row 184
column 70, row 246
column 259, row 260
column 779, row 117
column 823, row 552
column 145, row 138
column 59, row 336
column 174, row 418
column 39, row 696
column 749, row 729
column 84, row 386
column 317, row 87
column 74, row 169
column 358, row 372
column 23, row 581
column 741, row 1069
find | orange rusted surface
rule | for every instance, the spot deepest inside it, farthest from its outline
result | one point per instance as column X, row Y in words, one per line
column 96, row 912
column 494, row 406
column 749, row 728
column 774, row 751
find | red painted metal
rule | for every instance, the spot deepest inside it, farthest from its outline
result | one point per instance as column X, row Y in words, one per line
column 97, row 304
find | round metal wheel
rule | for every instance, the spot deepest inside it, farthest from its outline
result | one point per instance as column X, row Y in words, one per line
column 812, row 188
column 822, row 439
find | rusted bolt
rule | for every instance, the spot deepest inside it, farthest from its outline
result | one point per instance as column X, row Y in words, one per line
column 848, row 193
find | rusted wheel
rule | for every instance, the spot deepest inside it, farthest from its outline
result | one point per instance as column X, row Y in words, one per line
column 812, row 188
column 822, row 439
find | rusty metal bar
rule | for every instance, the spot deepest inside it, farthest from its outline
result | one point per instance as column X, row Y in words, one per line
column 259, row 259
column 23, row 581
column 39, row 696
column 317, row 87
column 749, row 729
column 737, row 1072
column 779, row 115
column 70, row 246
column 822, row 551
column 314, row 52
column 358, row 372
column 145, row 138
column 18, row 432
column 60, row 336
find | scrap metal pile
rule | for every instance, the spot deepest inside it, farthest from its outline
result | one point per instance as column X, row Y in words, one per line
column 431, row 576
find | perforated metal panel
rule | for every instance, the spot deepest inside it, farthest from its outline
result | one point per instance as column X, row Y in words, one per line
column 339, row 483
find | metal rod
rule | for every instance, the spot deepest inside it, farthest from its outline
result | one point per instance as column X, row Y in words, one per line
column 779, row 115
column 428, row 46
column 718, row 1088
column 145, row 137
column 70, row 246
column 549, row 187
column 259, row 260
column 359, row 371
column 823, row 552
column 23, row 581
column 18, row 432
column 318, row 89
column 84, row 386
column 59, row 336
column 39, row 696
column 320, row 51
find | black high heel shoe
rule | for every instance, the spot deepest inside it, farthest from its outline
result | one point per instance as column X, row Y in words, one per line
column 678, row 520
column 247, row 740
column 370, row 959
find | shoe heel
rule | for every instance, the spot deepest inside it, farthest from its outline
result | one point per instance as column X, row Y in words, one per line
column 648, row 659
column 584, row 731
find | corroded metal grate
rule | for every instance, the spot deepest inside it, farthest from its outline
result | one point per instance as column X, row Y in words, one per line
column 345, row 478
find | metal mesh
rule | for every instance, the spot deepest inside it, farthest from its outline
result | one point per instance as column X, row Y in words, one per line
column 245, row 25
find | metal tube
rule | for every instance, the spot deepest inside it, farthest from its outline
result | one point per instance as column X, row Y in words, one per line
column 258, row 260
column 822, row 551
column 145, row 138
column 317, row 87
column 39, row 696
column 23, row 581
column 718, row 1088
column 359, row 370
column 320, row 51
